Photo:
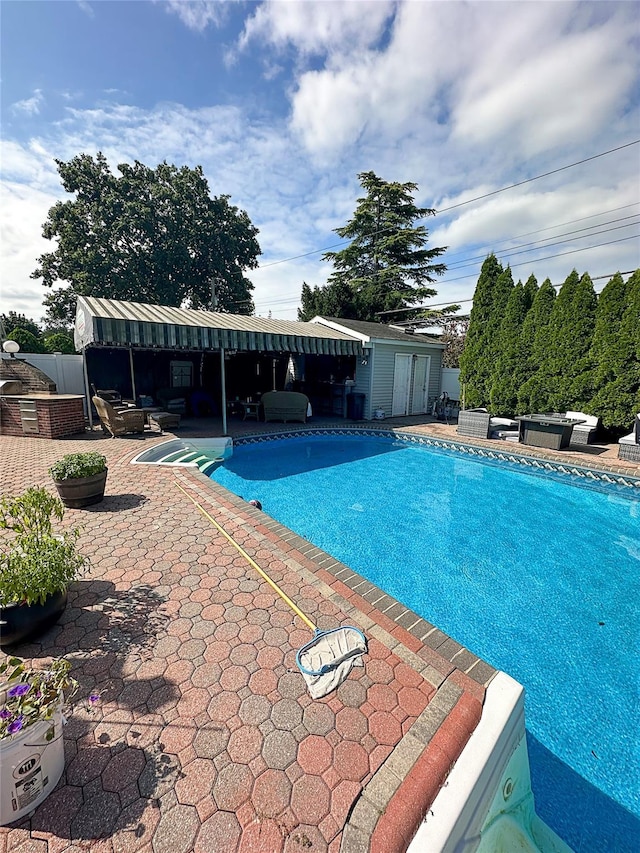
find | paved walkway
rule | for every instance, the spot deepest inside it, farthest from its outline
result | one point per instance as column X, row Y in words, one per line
column 205, row 738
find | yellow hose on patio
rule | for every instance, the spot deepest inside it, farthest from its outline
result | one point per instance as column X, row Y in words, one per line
column 252, row 562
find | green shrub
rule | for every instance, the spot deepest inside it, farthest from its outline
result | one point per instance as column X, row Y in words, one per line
column 76, row 465
column 35, row 563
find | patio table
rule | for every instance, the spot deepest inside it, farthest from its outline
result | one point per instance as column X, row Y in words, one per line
column 549, row 431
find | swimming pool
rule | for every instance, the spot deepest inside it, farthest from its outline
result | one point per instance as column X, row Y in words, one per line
column 535, row 574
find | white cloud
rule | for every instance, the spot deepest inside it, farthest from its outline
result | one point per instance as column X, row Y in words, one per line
column 29, row 106
column 198, row 14
column 553, row 95
column 461, row 99
column 555, row 72
column 23, row 210
column 317, row 28
column 85, row 6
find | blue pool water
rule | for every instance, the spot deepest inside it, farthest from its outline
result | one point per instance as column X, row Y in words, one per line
column 538, row 576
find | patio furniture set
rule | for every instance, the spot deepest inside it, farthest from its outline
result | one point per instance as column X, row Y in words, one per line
column 121, row 419
column 552, row 430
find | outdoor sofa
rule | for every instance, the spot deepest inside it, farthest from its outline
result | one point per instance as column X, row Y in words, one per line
column 285, row 406
column 629, row 445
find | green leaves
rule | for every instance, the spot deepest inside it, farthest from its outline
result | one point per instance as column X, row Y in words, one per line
column 28, row 696
column 35, row 563
column 386, row 266
column 538, row 351
column 147, row 235
column 78, row 465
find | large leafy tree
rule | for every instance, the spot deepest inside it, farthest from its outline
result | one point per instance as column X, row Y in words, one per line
column 27, row 340
column 13, row 320
column 146, row 235
column 386, row 266
column 454, row 333
column 336, row 300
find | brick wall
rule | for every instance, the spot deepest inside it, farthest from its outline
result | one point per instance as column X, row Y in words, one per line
column 57, row 416
column 34, row 381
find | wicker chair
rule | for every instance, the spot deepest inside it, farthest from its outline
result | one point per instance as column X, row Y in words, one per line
column 118, row 421
column 474, row 423
column 629, row 445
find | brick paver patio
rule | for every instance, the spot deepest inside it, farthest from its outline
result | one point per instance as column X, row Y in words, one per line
column 205, row 738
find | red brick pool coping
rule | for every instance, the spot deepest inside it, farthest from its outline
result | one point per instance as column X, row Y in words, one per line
column 420, row 693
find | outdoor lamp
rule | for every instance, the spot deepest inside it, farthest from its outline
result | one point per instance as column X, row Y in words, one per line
column 12, row 347
column 366, row 352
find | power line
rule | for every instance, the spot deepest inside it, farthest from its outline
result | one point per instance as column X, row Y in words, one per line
column 471, row 200
column 520, row 250
column 462, row 301
column 508, row 240
column 505, row 257
column 537, row 177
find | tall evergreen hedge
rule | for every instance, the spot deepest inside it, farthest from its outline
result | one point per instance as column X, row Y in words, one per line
column 529, row 349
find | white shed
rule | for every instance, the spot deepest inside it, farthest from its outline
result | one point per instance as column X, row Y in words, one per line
column 400, row 371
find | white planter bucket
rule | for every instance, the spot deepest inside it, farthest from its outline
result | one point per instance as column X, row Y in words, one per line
column 30, row 767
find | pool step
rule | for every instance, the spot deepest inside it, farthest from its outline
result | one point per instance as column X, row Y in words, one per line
column 177, row 452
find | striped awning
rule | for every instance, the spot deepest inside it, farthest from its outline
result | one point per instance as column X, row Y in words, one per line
column 112, row 323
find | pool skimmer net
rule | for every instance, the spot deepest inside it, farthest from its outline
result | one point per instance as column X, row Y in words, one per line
column 328, row 658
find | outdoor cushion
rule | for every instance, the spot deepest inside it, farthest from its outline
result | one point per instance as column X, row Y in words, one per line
column 628, row 439
column 507, row 423
column 590, row 420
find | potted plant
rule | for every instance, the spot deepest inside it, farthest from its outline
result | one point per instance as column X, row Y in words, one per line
column 80, row 478
column 31, row 747
column 36, row 565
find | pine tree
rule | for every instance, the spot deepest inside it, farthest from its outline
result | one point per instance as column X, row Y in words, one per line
column 532, row 393
column 576, row 383
column 473, row 378
column 386, row 266
column 510, row 361
column 565, row 365
column 530, row 291
column 617, row 397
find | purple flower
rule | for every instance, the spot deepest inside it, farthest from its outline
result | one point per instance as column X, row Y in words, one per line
column 15, row 726
column 19, row 690
column 5, row 714
column 94, row 697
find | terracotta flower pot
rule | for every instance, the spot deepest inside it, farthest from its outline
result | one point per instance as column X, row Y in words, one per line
column 84, row 491
column 20, row 622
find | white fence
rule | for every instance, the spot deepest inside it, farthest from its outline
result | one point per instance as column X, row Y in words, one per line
column 65, row 370
column 451, row 382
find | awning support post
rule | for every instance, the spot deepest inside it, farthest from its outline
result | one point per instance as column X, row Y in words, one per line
column 86, row 387
column 133, row 378
column 224, row 392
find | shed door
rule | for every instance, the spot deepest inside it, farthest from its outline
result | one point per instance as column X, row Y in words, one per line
column 419, row 398
column 401, row 385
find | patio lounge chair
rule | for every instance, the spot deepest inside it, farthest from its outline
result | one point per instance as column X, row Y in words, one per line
column 118, row 421
column 478, row 423
column 474, row 423
column 583, row 433
column 629, row 445
column 285, row 406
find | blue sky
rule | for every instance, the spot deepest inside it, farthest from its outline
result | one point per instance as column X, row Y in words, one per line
column 284, row 103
